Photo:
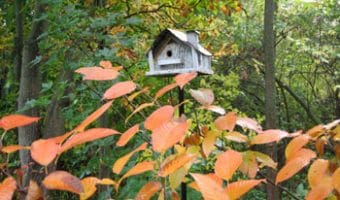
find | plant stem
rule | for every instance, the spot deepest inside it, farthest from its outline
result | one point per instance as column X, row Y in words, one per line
column 280, row 187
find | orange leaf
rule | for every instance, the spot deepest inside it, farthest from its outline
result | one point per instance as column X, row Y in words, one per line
column 316, row 131
column 7, row 188
column 89, row 186
column 227, row 163
column 216, row 178
column 34, row 191
column 127, row 135
column 193, row 140
column 119, row 89
column 236, row 189
column 13, row 121
column 106, row 181
column 319, row 146
column 336, row 179
column 209, row 188
column 87, row 136
column 249, row 124
column 295, row 145
column 120, row 163
column 174, row 164
column 194, row 186
column 160, row 116
column 317, row 171
column 268, row 136
column 61, row 180
column 97, row 73
column 292, row 167
column 94, row 116
column 165, row 89
column 13, row 148
column 302, row 153
column 138, row 169
column 60, row 139
column 236, row 137
column 208, row 143
column 148, row 190
column 44, row 151
column 322, row 190
column 183, row 79
column 204, row 96
column 141, row 107
column 175, row 195
column 105, row 64
column 168, row 134
column 226, row 122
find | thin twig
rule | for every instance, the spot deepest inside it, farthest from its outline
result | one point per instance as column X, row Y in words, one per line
column 280, row 187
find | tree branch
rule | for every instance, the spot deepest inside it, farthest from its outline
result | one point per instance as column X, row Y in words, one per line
column 280, row 187
column 150, row 11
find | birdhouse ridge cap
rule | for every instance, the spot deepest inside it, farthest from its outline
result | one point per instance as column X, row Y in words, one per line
column 181, row 36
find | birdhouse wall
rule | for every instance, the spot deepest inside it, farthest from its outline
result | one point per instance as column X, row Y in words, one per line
column 206, row 63
column 173, row 58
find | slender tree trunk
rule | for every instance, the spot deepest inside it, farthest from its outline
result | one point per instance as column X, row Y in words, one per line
column 337, row 103
column 270, row 110
column 104, row 171
column 30, row 83
column 19, row 37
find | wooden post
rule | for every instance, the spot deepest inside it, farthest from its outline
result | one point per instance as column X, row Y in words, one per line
column 181, row 111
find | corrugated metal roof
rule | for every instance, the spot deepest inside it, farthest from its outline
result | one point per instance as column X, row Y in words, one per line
column 180, row 36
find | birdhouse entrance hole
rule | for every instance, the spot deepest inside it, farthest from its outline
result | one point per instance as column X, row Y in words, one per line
column 169, row 53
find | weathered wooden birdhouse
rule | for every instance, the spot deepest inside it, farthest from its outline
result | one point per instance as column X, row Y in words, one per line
column 176, row 52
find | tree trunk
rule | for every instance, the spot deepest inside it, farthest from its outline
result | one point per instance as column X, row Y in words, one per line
column 270, row 110
column 19, row 37
column 30, row 83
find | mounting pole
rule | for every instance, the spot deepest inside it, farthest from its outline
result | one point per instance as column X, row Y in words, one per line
column 181, row 111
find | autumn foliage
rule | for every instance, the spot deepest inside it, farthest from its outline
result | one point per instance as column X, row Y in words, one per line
column 177, row 145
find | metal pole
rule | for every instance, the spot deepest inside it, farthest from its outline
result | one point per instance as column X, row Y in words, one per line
column 181, row 111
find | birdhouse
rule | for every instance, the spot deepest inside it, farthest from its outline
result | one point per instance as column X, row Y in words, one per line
column 175, row 52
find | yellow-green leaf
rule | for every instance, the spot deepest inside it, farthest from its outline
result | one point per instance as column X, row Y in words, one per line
column 138, row 109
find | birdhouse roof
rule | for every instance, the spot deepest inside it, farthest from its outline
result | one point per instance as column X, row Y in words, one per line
column 181, row 36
